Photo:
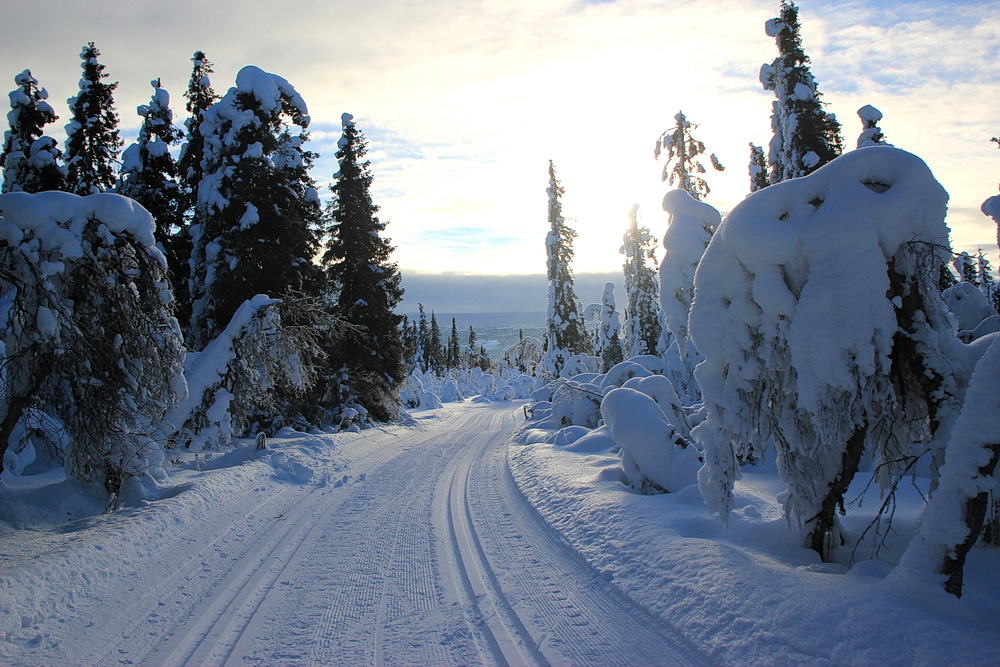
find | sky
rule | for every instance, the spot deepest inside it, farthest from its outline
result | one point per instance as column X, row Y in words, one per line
column 464, row 102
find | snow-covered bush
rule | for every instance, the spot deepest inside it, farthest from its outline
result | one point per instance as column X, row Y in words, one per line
column 243, row 378
column 822, row 328
column 88, row 337
column 654, row 457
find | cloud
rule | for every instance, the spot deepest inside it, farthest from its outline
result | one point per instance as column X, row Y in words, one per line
column 465, row 102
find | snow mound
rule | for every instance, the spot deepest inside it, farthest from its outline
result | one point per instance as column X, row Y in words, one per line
column 652, row 460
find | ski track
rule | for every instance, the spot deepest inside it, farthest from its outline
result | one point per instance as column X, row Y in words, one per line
column 426, row 553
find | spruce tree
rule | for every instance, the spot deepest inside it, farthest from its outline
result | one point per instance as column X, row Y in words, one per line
column 566, row 333
column 200, row 96
column 683, row 164
column 30, row 160
column 258, row 210
column 643, row 319
column 805, row 136
column 423, row 336
column 471, row 350
column 453, row 359
column 150, row 176
column 758, row 169
column 435, row 357
column 92, row 141
column 366, row 281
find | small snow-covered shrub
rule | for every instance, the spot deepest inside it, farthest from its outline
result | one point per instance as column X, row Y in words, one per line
column 240, row 377
column 654, row 457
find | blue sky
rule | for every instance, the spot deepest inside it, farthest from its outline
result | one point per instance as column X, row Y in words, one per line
column 465, row 101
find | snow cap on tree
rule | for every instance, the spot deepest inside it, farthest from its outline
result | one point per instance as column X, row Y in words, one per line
column 30, row 160
column 871, row 133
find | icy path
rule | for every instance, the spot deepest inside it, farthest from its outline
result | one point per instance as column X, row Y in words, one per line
column 410, row 545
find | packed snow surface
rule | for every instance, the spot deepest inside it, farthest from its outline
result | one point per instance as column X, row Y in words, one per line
column 438, row 541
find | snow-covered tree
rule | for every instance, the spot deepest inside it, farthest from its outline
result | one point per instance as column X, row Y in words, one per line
column 683, row 163
column 88, row 335
column 472, row 349
column 643, row 317
column 566, row 332
column 691, row 226
column 953, row 518
column 149, row 174
column 200, row 96
column 966, row 269
column 366, row 282
column 609, row 330
column 805, row 136
column 92, row 141
column 31, row 161
column 436, row 349
column 758, row 169
column 871, row 133
column 453, row 358
column 258, row 210
column 823, row 331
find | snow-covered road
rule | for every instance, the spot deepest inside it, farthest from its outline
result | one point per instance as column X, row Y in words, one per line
column 404, row 545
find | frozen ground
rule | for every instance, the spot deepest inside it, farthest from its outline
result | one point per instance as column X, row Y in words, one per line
column 419, row 544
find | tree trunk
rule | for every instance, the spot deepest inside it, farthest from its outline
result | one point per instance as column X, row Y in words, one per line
column 820, row 537
column 975, row 512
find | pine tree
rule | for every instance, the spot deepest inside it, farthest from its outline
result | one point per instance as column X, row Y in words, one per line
column 565, row 329
column 609, row 330
column 367, row 282
column 966, row 268
column 150, row 176
column 436, row 357
column 200, row 96
column 643, row 319
column 683, row 162
column 805, row 136
column 423, row 334
column 471, row 350
column 453, row 359
column 258, row 210
column 758, row 169
column 987, row 283
column 30, row 160
column 92, row 141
